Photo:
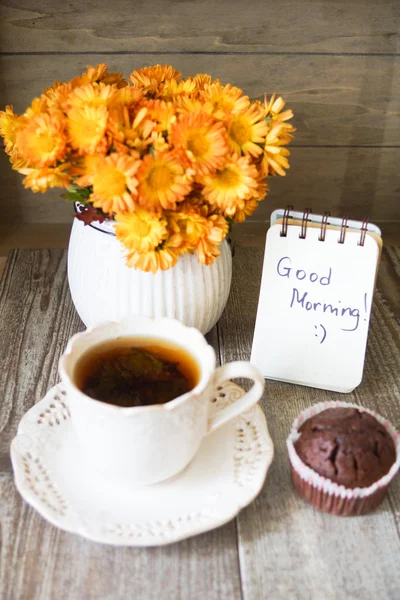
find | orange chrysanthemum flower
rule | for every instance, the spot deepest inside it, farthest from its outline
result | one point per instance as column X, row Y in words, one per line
column 248, row 208
column 162, row 258
column 285, row 137
column 274, row 116
column 196, row 201
column 151, row 78
column 173, row 89
column 274, row 161
column 40, row 180
column 97, row 74
column 114, row 184
column 163, row 182
column 141, row 231
column 84, row 167
column 207, row 249
column 196, row 226
column 19, row 163
column 58, row 95
column 92, row 94
column 203, row 81
column 225, row 100
column 86, row 127
column 159, row 143
column 93, row 74
column 229, row 187
column 247, row 129
column 130, row 130
column 162, row 113
column 262, row 188
column 38, row 106
column 186, row 227
column 189, row 104
column 108, row 78
column 9, row 124
column 127, row 96
column 273, row 108
column 200, row 140
column 42, row 140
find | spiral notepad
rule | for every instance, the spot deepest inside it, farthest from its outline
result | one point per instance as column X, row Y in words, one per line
column 315, row 300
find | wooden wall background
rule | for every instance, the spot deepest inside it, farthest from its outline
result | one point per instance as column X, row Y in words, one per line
column 337, row 62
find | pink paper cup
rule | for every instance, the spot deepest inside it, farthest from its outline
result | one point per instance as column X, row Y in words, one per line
column 323, row 493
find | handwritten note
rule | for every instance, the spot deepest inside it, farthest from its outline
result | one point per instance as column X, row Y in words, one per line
column 314, row 308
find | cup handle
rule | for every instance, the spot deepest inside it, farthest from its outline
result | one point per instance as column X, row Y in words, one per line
column 230, row 371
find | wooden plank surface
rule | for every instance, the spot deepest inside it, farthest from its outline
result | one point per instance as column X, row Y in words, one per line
column 38, row 562
column 252, row 233
column 36, row 319
column 337, row 100
column 307, row 26
column 34, row 236
column 356, row 181
column 3, row 260
column 287, row 549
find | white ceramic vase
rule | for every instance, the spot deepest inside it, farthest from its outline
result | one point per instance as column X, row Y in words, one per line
column 103, row 288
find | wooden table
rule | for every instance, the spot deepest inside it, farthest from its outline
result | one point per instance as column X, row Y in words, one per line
column 278, row 548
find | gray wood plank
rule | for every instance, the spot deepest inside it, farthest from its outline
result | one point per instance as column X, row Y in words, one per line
column 337, row 100
column 251, row 234
column 287, row 549
column 156, row 25
column 357, row 181
column 36, row 319
column 38, row 562
column 354, row 181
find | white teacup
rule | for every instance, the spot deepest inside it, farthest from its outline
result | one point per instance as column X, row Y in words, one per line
column 148, row 444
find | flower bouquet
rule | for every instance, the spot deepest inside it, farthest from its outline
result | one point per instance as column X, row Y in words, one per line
column 174, row 162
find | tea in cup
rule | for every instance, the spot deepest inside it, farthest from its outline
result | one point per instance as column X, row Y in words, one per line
column 139, row 392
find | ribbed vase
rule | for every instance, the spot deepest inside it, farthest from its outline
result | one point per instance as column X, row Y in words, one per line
column 103, row 288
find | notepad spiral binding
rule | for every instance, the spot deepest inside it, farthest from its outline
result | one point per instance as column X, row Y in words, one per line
column 324, row 223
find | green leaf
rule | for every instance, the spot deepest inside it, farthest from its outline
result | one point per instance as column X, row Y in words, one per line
column 72, row 197
column 230, row 222
column 82, row 193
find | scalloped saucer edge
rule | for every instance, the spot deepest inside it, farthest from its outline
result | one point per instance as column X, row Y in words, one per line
column 226, row 475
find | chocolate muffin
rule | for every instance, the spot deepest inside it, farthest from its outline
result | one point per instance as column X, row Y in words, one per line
column 347, row 446
column 343, row 457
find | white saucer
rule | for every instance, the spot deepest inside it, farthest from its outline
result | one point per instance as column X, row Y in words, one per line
column 227, row 474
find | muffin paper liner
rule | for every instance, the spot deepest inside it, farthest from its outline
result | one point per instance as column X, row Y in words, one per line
column 325, row 494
